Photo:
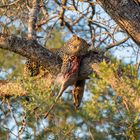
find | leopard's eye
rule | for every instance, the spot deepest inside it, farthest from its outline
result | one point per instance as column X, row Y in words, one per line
column 75, row 47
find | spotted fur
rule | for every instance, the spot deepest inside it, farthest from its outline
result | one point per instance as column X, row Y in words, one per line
column 75, row 46
column 31, row 68
column 70, row 53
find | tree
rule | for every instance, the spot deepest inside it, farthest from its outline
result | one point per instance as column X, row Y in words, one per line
column 126, row 14
column 31, row 29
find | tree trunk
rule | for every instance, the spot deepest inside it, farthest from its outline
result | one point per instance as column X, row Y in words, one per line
column 126, row 13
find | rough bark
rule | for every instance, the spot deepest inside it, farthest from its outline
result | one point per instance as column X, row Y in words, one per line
column 33, row 19
column 31, row 50
column 52, row 62
column 126, row 13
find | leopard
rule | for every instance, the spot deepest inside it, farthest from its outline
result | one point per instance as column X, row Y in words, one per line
column 71, row 54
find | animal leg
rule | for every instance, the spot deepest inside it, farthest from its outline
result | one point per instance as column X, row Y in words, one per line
column 78, row 92
column 53, row 105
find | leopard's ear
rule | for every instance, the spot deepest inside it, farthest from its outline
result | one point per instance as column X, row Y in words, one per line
column 76, row 37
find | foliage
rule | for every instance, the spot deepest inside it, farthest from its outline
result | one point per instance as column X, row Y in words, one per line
column 110, row 107
column 108, row 113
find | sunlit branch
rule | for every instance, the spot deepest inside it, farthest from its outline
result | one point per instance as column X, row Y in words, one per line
column 33, row 19
column 129, row 23
column 10, row 4
column 117, row 43
column 9, row 89
column 34, row 51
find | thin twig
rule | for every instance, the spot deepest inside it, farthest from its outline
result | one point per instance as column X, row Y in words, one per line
column 117, row 43
column 10, row 131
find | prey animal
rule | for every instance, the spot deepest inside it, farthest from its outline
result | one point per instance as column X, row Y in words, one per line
column 71, row 54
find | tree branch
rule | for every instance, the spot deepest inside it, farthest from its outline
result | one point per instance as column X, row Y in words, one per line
column 117, row 43
column 31, row 50
column 10, row 4
column 47, row 58
column 126, row 14
column 33, row 19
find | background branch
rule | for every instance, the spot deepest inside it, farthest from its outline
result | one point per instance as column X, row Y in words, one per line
column 123, row 15
column 117, row 43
